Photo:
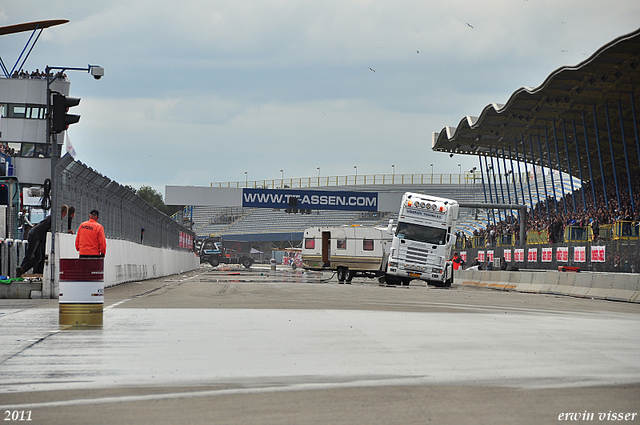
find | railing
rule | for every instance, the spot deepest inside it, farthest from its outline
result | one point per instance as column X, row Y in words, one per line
column 626, row 230
column 355, row 180
column 578, row 233
column 123, row 214
column 620, row 230
column 507, row 239
column 537, row 237
column 465, row 177
column 478, row 242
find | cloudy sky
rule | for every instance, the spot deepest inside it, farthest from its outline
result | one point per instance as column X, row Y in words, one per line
column 203, row 91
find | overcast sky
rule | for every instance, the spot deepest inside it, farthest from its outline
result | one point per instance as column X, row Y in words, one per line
column 196, row 92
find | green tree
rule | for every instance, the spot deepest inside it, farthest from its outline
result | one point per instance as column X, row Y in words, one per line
column 154, row 198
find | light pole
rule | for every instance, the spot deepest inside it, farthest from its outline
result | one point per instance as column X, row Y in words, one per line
column 97, row 73
column 318, row 176
column 246, row 182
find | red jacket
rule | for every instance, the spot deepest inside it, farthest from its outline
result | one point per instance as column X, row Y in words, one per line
column 90, row 239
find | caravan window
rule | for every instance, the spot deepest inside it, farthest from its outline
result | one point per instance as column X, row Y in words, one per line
column 309, row 243
column 341, row 244
column 367, row 244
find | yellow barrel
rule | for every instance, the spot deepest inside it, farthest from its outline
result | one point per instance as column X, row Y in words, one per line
column 80, row 315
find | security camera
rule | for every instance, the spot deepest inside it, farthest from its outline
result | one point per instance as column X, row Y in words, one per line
column 96, row 71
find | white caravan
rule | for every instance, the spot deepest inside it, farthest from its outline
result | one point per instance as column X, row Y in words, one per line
column 350, row 251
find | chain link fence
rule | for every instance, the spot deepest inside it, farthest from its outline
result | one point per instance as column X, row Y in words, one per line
column 123, row 214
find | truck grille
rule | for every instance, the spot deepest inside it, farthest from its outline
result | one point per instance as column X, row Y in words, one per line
column 414, row 254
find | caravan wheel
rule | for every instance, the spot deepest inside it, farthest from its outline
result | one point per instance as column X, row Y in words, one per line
column 350, row 275
column 342, row 274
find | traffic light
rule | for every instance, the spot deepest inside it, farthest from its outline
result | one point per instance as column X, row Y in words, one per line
column 4, row 194
column 61, row 120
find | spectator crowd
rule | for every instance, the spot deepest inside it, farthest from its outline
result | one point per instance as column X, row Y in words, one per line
column 37, row 74
column 553, row 215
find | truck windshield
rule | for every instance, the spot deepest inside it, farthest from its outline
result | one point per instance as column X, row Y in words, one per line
column 415, row 232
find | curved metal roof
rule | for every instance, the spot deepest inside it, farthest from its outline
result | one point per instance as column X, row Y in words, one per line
column 30, row 26
column 562, row 110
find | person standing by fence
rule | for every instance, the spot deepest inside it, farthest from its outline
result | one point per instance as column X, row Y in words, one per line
column 34, row 257
column 35, row 244
column 90, row 240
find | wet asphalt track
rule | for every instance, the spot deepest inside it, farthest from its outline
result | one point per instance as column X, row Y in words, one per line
column 237, row 346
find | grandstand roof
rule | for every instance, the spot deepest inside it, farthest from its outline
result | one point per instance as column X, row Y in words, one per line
column 30, row 26
column 606, row 85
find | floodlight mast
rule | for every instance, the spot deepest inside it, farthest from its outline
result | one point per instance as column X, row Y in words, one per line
column 97, row 72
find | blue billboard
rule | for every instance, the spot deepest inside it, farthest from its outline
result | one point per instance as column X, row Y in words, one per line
column 310, row 199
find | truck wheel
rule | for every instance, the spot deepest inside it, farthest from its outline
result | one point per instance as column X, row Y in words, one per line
column 448, row 279
column 392, row 280
column 342, row 274
column 247, row 262
column 214, row 261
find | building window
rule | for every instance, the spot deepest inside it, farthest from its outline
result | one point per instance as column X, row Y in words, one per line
column 16, row 110
column 309, row 243
column 34, row 150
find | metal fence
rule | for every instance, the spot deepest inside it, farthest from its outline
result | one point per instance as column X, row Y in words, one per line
column 356, row 180
column 602, row 256
column 122, row 213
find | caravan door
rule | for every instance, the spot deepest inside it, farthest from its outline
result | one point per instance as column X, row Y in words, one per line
column 326, row 245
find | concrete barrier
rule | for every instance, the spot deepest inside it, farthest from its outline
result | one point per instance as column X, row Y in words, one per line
column 128, row 261
column 624, row 288
column 608, row 286
column 576, row 284
column 125, row 262
column 16, row 290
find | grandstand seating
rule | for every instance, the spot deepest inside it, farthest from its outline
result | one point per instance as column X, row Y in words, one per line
column 209, row 220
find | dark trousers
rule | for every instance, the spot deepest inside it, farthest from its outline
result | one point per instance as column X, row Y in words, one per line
column 34, row 255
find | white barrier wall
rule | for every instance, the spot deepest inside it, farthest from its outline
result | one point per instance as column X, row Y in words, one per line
column 125, row 262
column 607, row 286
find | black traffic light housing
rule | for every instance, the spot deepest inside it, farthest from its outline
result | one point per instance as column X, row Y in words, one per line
column 61, row 120
column 4, row 194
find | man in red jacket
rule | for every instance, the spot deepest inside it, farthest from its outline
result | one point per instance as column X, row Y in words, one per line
column 457, row 261
column 90, row 240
